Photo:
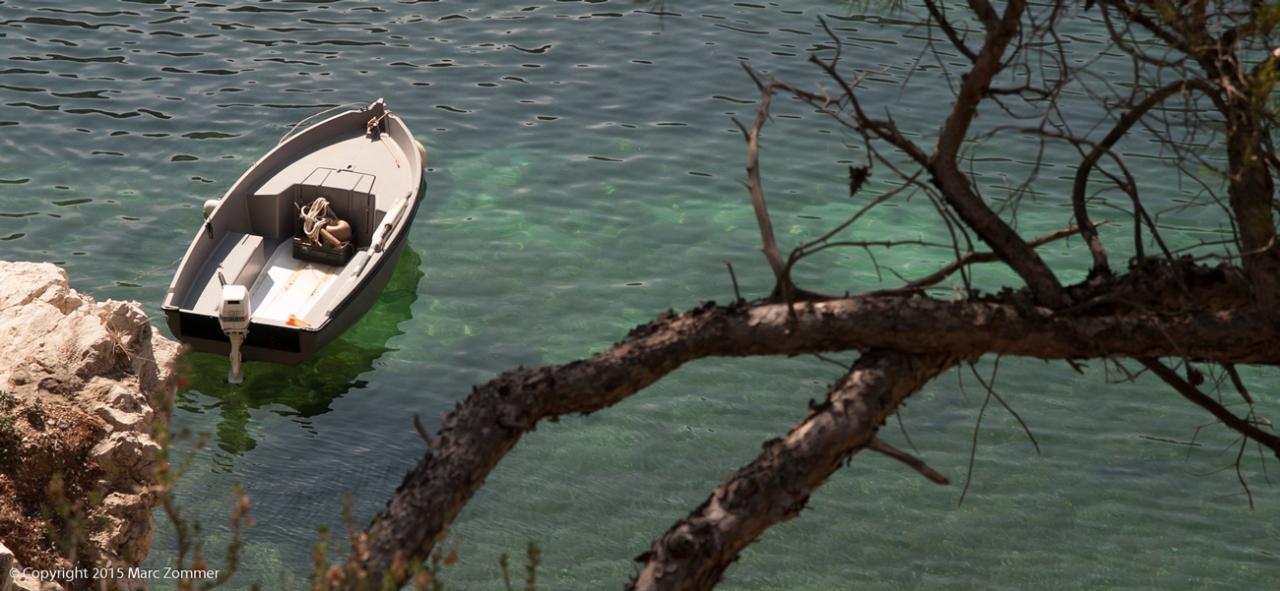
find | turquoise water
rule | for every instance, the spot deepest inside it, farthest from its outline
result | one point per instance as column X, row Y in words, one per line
column 585, row 175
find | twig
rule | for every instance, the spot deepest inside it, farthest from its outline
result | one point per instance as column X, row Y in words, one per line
column 1237, row 382
column 971, row 258
column 973, row 449
column 936, row 14
column 737, row 296
column 422, row 431
column 903, row 427
column 1172, row 441
column 991, row 390
column 911, row 461
column 768, row 244
column 1193, row 394
column 844, row 366
column 1244, row 442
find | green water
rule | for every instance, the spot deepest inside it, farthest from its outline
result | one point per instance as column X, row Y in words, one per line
column 585, row 175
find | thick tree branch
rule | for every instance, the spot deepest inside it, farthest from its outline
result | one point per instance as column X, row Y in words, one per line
column 988, row 15
column 693, row 554
column 955, row 186
column 483, row 428
column 1251, row 190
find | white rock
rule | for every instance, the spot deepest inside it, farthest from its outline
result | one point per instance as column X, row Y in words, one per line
column 6, row 564
column 106, row 360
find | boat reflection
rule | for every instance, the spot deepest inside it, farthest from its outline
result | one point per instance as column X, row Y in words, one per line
column 308, row 388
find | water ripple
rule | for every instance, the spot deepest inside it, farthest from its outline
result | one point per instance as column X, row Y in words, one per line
column 585, row 174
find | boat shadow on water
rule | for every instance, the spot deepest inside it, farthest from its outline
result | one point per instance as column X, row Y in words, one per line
column 307, row 389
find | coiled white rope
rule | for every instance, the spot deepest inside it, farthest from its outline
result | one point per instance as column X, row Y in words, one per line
column 315, row 216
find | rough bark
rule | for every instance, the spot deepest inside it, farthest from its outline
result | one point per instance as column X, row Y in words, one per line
column 773, row 488
column 1250, row 190
column 1201, row 319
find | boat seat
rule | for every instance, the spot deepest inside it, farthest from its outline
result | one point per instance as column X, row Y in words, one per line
column 350, row 194
column 240, row 258
column 242, row 265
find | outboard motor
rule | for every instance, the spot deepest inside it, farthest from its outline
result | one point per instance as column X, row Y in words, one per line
column 233, row 317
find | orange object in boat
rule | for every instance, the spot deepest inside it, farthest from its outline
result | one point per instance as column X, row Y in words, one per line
column 295, row 321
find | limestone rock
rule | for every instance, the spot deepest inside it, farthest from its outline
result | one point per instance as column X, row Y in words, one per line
column 21, row 582
column 6, row 564
column 82, row 385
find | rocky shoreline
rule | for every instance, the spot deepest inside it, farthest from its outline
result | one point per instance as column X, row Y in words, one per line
column 83, row 385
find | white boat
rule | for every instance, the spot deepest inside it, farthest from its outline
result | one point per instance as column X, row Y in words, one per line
column 250, row 288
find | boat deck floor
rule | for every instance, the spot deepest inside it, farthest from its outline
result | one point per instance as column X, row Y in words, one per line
column 284, row 288
column 292, row 288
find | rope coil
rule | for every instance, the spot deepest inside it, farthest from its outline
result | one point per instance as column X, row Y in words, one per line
column 315, row 216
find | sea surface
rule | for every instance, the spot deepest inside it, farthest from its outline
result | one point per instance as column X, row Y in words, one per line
column 585, row 175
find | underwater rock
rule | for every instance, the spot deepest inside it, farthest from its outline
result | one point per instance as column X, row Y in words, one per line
column 82, row 384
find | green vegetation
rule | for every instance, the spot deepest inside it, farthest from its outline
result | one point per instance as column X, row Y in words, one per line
column 8, row 438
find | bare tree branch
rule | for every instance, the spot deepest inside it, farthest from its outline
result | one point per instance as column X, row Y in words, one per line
column 973, row 258
column 935, row 13
column 1122, row 127
column 768, row 245
column 1242, row 426
column 1155, row 308
column 1002, row 239
column 694, row 553
column 483, row 428
column 879, row 445
column 1238, row 383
